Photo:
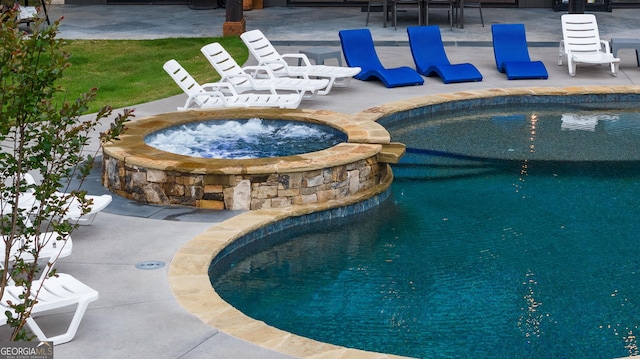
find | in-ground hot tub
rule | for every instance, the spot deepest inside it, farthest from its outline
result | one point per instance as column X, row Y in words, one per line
column 244, row 139
column 135, row 170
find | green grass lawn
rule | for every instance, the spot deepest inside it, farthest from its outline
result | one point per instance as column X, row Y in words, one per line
column 129, row 72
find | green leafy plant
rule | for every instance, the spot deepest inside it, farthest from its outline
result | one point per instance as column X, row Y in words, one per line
column 43, row 133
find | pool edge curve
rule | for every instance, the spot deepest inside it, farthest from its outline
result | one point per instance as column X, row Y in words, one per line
column 188, row 272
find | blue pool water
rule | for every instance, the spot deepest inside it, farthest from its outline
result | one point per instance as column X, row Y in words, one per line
column 486, row 248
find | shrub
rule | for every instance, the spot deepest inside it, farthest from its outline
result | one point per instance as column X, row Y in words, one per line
column 47, row 138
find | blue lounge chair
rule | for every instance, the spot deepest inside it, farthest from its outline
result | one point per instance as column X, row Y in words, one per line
column 358, row 50
column 512, row 55
column 431, row 59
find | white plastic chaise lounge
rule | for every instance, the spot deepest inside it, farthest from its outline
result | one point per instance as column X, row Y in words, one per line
column 53, row 293
column 221, row 94
column 581, row 43
column 266, row 55
column 53, row 247
column 74, row 211
column 27, row 14
column 245, row 78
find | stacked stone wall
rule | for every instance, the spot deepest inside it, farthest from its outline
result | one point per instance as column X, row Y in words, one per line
column 241, row 191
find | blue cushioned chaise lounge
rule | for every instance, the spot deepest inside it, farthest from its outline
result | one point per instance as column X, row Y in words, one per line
column 512, row 54
column 359, row 50
column 431, row 59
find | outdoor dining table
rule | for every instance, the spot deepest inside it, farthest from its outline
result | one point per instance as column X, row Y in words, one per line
column 423, row 6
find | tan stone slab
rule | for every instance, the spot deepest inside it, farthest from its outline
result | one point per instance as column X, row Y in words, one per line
column 210, row 204
column 346, row 353
column 392, row 152
column 303, row 347
column 187, row 264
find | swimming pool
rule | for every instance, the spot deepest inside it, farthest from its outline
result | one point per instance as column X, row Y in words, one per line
column 473, row 255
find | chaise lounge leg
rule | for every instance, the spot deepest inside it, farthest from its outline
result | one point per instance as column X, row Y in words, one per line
column 572, row 67
column 560, row 52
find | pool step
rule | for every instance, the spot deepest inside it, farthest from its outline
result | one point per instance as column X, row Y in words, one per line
column 420, row 164
column 391, row 152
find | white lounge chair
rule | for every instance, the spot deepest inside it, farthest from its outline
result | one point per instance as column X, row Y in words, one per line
column 54, row 293
column 581, row 43
column 27, row 13
column 245, row 78
column 266, row 55
column 53, row 247
column 74, row 209
column 220, row 94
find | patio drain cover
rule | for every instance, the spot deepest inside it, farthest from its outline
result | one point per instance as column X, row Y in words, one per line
column 149, row 265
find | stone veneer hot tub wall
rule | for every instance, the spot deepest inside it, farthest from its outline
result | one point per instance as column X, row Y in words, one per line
column 140, row 172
